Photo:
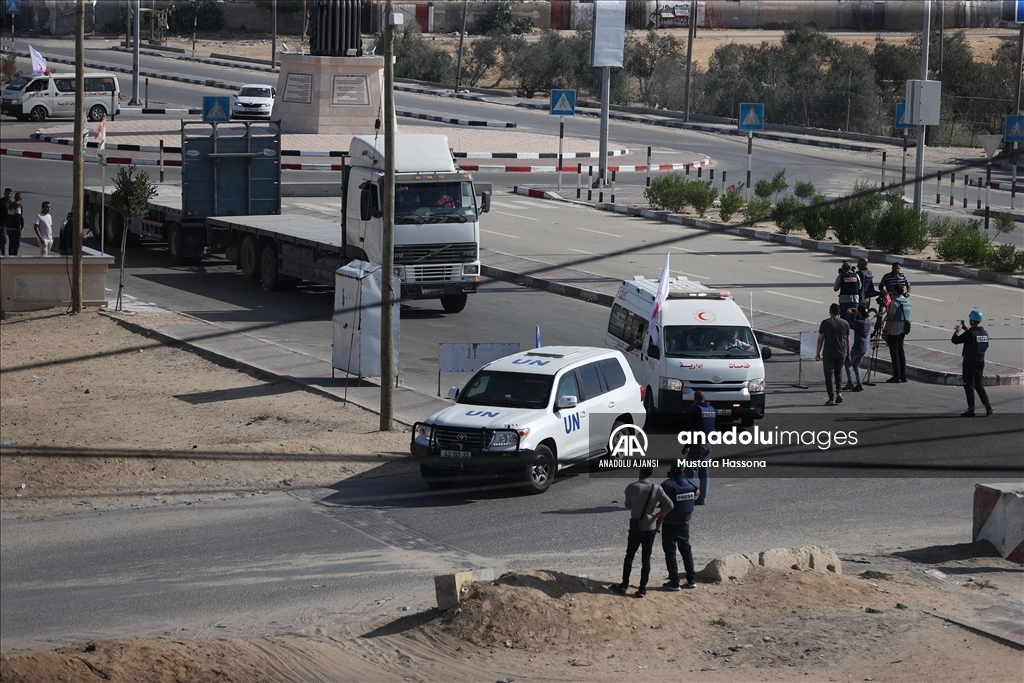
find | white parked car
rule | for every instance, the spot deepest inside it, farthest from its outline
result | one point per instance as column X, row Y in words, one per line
column 253, row 102
column 531, row 414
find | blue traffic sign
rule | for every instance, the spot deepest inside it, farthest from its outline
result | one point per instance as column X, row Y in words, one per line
column 13, row 6
column 1014, row 131
column 751, row 116
column 563, row 102
column 216, row 109
column 902, row 119
column 1019, row 14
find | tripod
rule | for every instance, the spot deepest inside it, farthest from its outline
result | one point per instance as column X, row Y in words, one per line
column 876, row 339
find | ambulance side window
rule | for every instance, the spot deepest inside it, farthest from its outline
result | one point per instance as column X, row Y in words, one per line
column 65, row 85
column 42, row 85
column 626, row 325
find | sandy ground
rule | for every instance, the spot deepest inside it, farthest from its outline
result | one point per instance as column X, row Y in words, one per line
column 94, row 416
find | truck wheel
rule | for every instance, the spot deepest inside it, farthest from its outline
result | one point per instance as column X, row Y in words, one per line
column 114, row 227
column 38, row 114
column 540, row 472
column 435, row 479
column 272, row 280
column 175, row 245
column 97, row 113
column 454, row 303
column 250, row 257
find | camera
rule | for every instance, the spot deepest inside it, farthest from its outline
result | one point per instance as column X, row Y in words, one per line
column 846, row 267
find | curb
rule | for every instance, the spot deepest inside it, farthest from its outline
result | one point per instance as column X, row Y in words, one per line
column 537, row 155
column 817, row 245
column 457, row 122
column 537, row 194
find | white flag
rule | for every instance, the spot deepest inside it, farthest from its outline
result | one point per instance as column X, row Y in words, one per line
column 38, row 63
column 101, row 139
column 658, row 301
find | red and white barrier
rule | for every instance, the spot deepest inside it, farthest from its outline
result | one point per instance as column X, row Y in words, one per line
column 999, row 518
column 638, row 168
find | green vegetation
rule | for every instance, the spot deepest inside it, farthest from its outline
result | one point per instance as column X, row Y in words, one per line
column 731, row 203
column 203, row 15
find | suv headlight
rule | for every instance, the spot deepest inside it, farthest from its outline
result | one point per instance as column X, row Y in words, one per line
column 756, row 386
column 671, row 384
column 424, row 433
column 508, row 438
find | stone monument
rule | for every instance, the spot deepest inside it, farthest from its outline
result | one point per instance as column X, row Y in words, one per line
column 334, row 89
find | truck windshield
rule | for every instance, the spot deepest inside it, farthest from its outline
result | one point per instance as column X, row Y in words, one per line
column 451, row 202
column 709, row 341
column 507, row 390
column 19, row 83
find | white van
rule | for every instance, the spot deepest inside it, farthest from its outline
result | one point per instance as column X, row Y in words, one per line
column 38, row 97
column 533, row 412
column 703, row 342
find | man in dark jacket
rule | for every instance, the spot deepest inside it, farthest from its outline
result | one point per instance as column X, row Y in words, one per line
column 642, row 497
column 975, row 341
column 675, row 528
column 867, row 282
column 702, row 419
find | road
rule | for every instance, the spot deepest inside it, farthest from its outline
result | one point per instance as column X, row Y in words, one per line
column 286, row 562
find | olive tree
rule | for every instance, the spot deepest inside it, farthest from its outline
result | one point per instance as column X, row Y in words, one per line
column 132, row 192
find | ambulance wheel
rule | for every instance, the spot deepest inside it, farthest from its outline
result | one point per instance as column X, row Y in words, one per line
column 541, row 472
column 38, row 114
column 97, row 113
column 250, row 256
column 435, row 479
column 454, row 303
column 652, row 415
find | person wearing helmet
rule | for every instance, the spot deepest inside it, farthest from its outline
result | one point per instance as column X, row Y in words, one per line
column 975, row 341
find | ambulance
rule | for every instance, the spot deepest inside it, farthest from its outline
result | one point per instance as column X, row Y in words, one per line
column 701, row 340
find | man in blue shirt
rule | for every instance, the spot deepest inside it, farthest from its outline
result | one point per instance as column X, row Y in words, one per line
column 896, row 328
column 675, row 528
column 702, row 419
column 975, row 341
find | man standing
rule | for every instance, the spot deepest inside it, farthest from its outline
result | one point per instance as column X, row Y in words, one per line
column 860, row 325
column 896, row 328
column 44, row 229
column 702, row 419
column 14, row 223
column 893, row 278
column 834, row 339
column 975, row 341
column 867, row 281
column 641, row 498
column 848, row 285
column 675, row 529
column 8, row 200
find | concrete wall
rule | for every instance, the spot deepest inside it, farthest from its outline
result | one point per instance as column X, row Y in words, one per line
column 34, row 283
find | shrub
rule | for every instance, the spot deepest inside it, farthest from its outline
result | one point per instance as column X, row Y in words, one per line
column 502, row 21
column 1006, row 258
column 757, row 210
column 667, row 192
column 853, row 218
column 763, row 188
column 964, row 243
column 700, row 194
column 940, row 226
column 418, row 59
column 815, row 218
column 1004, row 223
column 900, row 229
column 204, row 15
column 779, row 184
column 731, row 202
column 787, row 215
column 482, row 56
column 804, row 190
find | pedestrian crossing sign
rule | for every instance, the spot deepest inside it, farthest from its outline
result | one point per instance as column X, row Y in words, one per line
column 216, row 109
column 563, row 102
column 751, row 116
column 14, row 6
column 1014, row 129
column 903, row 121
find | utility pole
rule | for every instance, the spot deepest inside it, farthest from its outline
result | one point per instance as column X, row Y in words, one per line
column 849, row 86
column 922, row 129
column 692, row 29
column 78, row 159
column 273, row 28
column 1020, row 68
column 606, row 97
column 387, row 366
column 462, row 37
column 136, row 13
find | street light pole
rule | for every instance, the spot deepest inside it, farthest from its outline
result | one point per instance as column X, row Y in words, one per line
column 78, row 160
column 387, row 367
column 692, row 29
column 462, row 38
column 273, row 27
column 922, row 129
column 136, row 13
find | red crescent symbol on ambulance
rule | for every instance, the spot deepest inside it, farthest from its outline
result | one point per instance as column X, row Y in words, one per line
column 704, row 316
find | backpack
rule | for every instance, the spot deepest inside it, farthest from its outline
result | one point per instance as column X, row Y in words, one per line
column 903, row 317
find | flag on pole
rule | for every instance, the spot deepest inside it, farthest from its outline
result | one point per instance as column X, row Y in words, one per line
column 38, row 63
column 658, row 301
column 536, row 336
column 101, row 140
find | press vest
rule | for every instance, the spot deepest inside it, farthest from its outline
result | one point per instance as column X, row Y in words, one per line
column 850, row 285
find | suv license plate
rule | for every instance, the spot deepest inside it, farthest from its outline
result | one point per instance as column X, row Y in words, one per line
column 456, row 454
column 724, row 411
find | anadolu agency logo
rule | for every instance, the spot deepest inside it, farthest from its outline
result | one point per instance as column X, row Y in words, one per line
column 627, row 447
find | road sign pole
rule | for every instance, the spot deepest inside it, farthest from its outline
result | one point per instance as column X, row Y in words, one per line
column 921, row 128
column 561, row 136
column 606, row 87
column 988, row 191
column 750, row 153
column 903, row 180
column 1013, row 181
column 883, row 169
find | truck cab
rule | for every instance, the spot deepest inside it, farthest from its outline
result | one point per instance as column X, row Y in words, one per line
column 437, row 229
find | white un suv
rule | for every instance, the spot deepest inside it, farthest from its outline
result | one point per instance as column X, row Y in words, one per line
column 531, row 414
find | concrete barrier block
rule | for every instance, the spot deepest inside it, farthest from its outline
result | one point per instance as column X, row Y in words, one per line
column 728, row 567
column 999, row 518
column 824, row 559
column 448, row 587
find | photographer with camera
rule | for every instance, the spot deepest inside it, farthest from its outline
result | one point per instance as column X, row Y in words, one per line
column 848, row 284
column 975, row 341
column 897, row 326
